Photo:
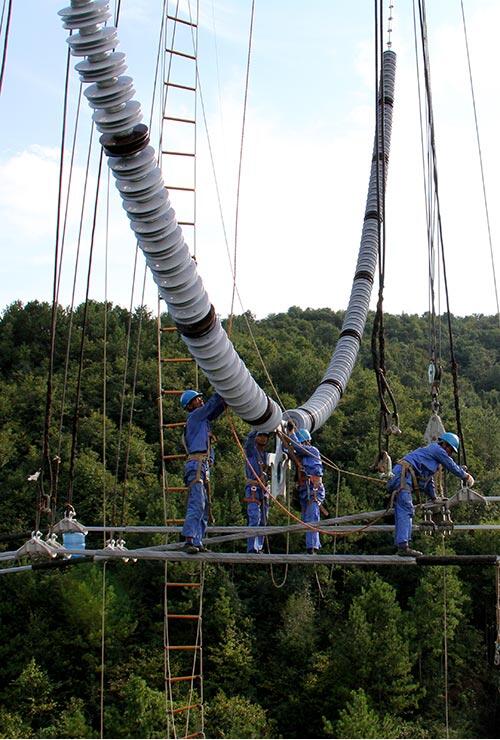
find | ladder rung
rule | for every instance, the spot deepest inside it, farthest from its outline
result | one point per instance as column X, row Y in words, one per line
column 179, row 456
column 185, row 709
column 179, row 120
column 177, row 679
column 168, row 328
column 173, row 424
column 174, row 521
column 181, row 20
column 178, row 187
column 182, row 647
column 176, row 489
column 180, row 87
column 179, row 584
column 177, row 53
column 177, row 359
column 183, row 616
column 185, row 223
column 177, row 154
column 171, row 393
column 194, row 734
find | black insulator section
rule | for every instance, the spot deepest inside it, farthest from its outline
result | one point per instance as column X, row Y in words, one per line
column 313, row 420
column 123, row 146
column 200, row 328
column 265, row 416
column 336, row 383
column 364, row 275
column 381, row 156
column 350, row 333
column 387, row 100
column 458, row 559
column 372, row 214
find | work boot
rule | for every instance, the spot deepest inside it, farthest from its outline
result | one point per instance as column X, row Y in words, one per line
column 189, row 548
column 408, row 552
column 312, row 550
column 202, row 548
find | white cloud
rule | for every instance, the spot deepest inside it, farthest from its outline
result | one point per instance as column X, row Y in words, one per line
column 305, row 177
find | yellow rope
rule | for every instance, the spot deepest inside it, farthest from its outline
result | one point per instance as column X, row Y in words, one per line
column 305, row 525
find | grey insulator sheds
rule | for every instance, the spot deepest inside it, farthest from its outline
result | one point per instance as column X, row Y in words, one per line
column 145, row 199
column 325, row 398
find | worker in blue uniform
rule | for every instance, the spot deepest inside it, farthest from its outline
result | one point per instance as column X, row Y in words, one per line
column 311, row 490
column 415, row 473
column 198, row 444
column 256, row 485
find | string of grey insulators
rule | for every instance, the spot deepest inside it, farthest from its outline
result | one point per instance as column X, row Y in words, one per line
column 152, row 218
column 318, row 408
column 146, row 200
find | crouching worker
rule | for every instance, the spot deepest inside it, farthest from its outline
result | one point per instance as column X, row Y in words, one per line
column 197, row 441
column 311, row 490
column 415, row 473
column 256, row 485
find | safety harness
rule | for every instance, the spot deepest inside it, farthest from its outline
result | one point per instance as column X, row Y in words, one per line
column 256, row 485
column 201, row 458
column 407, row 467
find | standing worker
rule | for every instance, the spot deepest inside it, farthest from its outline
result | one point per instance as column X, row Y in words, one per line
column 307, row 459
column 197, row 441
column 256, row 485
column 415, row 473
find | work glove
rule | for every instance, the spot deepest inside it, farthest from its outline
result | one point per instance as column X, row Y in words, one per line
column 469, row 481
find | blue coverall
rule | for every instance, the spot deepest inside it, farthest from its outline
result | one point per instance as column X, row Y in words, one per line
column 256, row 497
column 311, row 488
column 425, row 461
column 196, row 471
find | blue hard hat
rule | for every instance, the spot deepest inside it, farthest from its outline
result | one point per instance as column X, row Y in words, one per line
column 450, row 439
column 303, row 435
column 187, row 397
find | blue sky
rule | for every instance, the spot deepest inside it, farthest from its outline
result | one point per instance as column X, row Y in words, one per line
column 306, row 158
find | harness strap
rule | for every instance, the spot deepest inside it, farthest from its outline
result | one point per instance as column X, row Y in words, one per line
column 252, row 498
column 197, row 478
column 406, row 468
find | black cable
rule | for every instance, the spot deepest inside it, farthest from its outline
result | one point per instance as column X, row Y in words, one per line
column 46, row 461
column 74, row 435
column 5, row 41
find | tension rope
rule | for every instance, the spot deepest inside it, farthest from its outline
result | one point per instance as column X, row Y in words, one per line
column 226, row 242
column 43, row 498
column 433, row 167
column 496, row 658
column 480, row 154
column 240, row 164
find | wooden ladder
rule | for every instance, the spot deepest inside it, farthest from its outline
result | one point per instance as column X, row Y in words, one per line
column 183, row 582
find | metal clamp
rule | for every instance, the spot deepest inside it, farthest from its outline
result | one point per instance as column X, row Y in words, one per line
column 466, row 495
column 36, row 548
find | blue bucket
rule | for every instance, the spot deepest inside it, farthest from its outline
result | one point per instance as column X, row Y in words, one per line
column 74, row 541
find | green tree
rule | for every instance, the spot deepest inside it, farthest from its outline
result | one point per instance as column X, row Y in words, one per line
column 372, row 650
column 359, row 719
column 236, row 716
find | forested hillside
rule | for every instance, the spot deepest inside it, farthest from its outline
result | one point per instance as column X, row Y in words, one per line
column 298, row 653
